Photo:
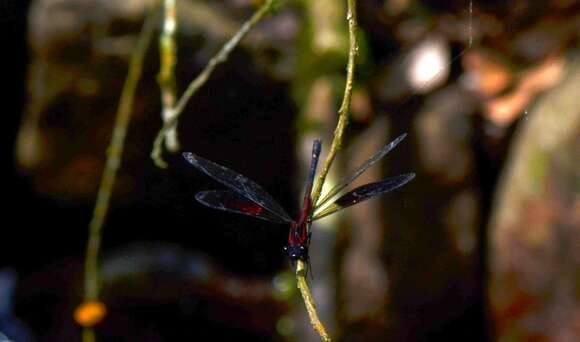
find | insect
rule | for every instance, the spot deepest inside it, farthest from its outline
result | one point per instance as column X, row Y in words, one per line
column 248, row 198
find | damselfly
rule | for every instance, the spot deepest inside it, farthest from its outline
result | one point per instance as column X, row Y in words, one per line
column 248, row 198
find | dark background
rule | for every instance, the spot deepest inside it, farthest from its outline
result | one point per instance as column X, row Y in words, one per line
column 174, row 270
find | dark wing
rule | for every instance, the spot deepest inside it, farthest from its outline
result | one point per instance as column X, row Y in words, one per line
column 241, row 185
column 233, row 202
column 364, row 193
column 358, row 171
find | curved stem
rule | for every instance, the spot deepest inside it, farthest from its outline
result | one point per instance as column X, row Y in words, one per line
column 308, row 301
column 202, row 78
column 343, row 111
column 114, row 154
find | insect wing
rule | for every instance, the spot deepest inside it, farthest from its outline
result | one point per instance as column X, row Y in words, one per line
column 240, row 184
column 358, row 171
column 364, row 193
column 233, row 202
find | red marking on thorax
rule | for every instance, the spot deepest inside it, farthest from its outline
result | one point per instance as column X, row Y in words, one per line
column 299, row 230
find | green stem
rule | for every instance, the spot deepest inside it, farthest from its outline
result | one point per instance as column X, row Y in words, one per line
column 166, row 77
column 114, row 154
column 336, row 144
column 309, row 302
column 201, row 79
column 344, row 109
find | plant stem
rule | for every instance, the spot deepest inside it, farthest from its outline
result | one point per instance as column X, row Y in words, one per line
column 201, row 79
column 309, row 302
column 114, row 154
column 166, row 77
column 343, row 113
column 344, row 109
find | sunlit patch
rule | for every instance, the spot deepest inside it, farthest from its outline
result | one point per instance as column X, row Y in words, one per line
column 428, row 64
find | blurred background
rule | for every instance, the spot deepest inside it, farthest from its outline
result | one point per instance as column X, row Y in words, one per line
column 484, row 244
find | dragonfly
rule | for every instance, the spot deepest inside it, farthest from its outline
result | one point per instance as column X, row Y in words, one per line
column 246, row 197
